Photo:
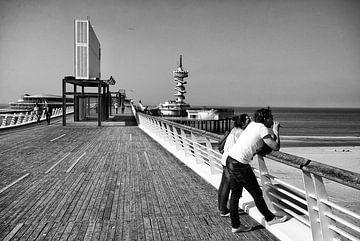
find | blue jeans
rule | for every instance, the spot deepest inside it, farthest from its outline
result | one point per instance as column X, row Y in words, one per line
column 224, row 191
column 242, row 175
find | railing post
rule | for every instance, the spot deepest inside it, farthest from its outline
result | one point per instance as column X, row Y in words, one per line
column 312, row 206
column 177, row 139
column 20, row 118
column 12, row 122
column 163, row 131
column 185, row 143
column 26, row 118
column 198, row 158
column 170, row 135
column 158, row 129
column 324, row 210
column 266, row 184
column 212, row 163
column 4, row 120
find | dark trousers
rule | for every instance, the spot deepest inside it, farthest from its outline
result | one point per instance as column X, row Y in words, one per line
column 241, row 175
column 48, row 119
column 224, row 191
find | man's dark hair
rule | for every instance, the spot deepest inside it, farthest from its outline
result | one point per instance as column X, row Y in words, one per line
column 262, row 114
column 239, row 121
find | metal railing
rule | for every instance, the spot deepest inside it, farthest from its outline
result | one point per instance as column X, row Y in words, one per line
column 310, row 205
column 29, row 117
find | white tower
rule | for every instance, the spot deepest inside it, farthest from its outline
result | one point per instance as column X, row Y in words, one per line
column 179, row 76
column 87, row 51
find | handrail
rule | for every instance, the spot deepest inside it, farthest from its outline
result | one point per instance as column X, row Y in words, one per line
column 344, row 177
column 28, row 117
column 339, row 175
column 311, row 207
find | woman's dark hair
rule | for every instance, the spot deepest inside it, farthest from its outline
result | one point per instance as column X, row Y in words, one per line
column 262, row 114
column 239, row 121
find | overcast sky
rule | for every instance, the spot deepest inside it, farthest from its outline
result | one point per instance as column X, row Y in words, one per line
column 238, row 53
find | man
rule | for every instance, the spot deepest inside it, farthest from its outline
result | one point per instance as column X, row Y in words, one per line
column 256, row 135
column 240, row 123
column 116, row 106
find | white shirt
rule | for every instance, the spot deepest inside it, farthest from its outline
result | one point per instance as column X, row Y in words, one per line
column 249, row 142
column 230, row 141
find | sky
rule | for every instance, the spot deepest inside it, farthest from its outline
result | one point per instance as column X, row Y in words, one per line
column 280, row 53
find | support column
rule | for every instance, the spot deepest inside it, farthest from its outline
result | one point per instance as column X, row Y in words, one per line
column 64, row 102
column 99, row 108
column 76, row 104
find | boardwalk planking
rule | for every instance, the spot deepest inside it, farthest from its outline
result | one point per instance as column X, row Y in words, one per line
column 126, row 187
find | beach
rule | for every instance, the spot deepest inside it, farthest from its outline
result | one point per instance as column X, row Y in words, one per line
column 344, row 157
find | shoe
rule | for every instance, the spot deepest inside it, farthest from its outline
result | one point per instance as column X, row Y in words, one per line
column 241, row 229
column 225, row 214
column 277, row 219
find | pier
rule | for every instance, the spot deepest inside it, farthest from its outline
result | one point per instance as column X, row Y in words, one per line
column 114, row 182
column 155, row 181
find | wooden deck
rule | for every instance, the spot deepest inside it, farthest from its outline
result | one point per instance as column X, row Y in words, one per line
column 83, row 182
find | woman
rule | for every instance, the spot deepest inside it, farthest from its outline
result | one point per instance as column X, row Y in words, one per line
column 240, row 123
column 250, row 142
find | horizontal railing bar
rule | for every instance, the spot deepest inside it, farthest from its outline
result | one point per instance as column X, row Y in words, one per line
column 293, row 214
column 343, row 233
column 346, row 211
column 298, row 190
column 301, row 200
column 303, row 211
column 343, row 221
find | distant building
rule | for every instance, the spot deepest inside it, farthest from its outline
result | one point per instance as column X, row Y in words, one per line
column 87, row 51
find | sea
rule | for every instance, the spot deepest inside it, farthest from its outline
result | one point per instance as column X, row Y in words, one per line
column 335, row 122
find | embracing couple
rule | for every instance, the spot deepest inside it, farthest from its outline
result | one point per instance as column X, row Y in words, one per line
column 245, row 140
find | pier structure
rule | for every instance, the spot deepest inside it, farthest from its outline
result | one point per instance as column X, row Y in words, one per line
column 80, row 182
column 155, row 181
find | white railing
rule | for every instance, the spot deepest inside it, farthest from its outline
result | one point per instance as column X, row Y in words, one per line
column 312, row 215
column 29, row 117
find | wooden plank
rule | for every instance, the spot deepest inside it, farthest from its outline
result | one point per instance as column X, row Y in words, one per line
column 66, row 200
column 13, row 232
column 65, row 235
column 82, row 230
column 112, row 231
column 97, row 231
column 155, row 228
column 35, row 234
column 162, row 228
column 44, row 233
column 53, row 166
column 14, row 182
column 89, row 231
column 104, row 230
column 95, row 190
column 74, row 163
column 117, row 188
column 80, row 208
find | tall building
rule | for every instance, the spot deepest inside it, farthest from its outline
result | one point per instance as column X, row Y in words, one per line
column 179, row 76
column 178, row 106
column 87, row 51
